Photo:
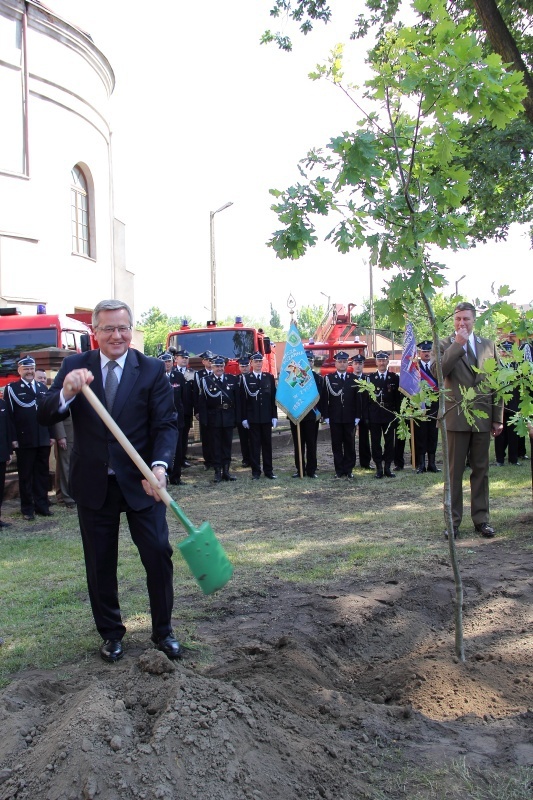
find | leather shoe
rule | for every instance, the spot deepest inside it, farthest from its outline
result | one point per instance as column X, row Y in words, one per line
column 176, row 482
column 455, row 533
column 389, row 473
column 296, row 475
column 29, row 517
column 169, row 646
column 271, row 477
column 111, row 650
column 186, row 464
column 5, row 524
column 314, row 475
column 255, row 477
column 46, row 513
column 485, row 530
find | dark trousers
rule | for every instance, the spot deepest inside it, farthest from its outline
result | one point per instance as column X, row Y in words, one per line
column 476, row 446
column 507, row 440
column 3, row 465
column 174, row 472
column 343, row 446
column 184, row 436
column 149, row 532
column 221, row 441
column 261, row 444
column 364, row 445
column 385, row 430
column 244, row 439
column 33, row 464
column 308, row 441
column 426, row 438
column 206, row 445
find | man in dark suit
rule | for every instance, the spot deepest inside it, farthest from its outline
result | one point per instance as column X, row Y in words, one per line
column 460, row 354
column 358, row 363
column 32, row 440
column 199, row 406
column 341, row 407
column 181, row 367
column 177, row 382
column 382, row 414
column 308, row 430
column 104, row 481
column 222, row 399
column 426, row 431
column 259, row 415
column 244, row 434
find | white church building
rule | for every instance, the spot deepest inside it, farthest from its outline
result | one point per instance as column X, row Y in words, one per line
column 60, row 243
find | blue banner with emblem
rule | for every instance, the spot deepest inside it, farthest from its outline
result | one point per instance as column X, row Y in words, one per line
column 409, row 369
column 296, row 393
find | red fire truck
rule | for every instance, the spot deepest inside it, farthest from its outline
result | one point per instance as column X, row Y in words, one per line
column 231, row 341
column 21, row 334
column 335, row 332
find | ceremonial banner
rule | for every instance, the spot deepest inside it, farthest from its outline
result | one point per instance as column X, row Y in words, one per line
column 296, row 393
column 409, row 369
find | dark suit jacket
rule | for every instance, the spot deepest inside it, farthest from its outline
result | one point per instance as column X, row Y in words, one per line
column 388, row 398
column 458, row 372
column 258, row 398
column 340, row 401
column 7, row 434
column 24, row 418
column 222, row 401
column 143, row 409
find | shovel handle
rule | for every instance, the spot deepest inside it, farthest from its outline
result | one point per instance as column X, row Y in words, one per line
column 123, row 440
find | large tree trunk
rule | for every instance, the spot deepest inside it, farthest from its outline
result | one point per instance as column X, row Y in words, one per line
column 503, row 43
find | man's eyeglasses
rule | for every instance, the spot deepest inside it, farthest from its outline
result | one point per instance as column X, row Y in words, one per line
column 122, row 329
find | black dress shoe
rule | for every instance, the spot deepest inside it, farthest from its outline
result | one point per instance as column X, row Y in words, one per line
column 186, row 464
column 271, row 477
column 255, row 477
column 313, row 476
column 5, row 524
column 46, row 513
column 176, row 482
column 349, row 476
column 455, row 533
column 296, row 475
column 169, row 646
column 379, row 473
column 389, row 473
column 485, row 530
column 245, row 463
column 111, row 650
column 29, row 517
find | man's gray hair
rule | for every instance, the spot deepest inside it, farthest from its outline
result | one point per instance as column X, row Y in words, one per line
column 111, row 305
column 465, row 307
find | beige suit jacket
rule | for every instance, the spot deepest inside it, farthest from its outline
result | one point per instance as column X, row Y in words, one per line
column 458, row 372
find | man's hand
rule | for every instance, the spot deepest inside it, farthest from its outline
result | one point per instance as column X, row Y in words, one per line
column 461, row 335
column 245, row 424
column 75, row 381
column 62, row 443
column 161, row 474
column 14, row 445
column 497, row 428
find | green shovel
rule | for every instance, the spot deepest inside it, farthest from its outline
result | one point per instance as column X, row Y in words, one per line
column 201, row 549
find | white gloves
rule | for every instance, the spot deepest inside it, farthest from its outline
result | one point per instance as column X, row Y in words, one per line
column 245, row 424
column 274, row 423
column 326, row 421
column 357, row 421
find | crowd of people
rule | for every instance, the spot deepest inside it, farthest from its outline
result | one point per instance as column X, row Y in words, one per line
column 98, row 478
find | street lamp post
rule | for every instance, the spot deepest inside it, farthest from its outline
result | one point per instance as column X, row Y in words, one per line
column 457, row 285
column 213, row 264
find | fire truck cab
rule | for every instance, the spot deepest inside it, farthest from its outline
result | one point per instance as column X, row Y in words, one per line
column 232, row 342
column 22, row 334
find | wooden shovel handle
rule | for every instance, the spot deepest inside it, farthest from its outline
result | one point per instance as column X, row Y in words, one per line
column 110, row 423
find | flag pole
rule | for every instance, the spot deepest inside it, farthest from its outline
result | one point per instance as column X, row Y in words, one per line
column 413, row 457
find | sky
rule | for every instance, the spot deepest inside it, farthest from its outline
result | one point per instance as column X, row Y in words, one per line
column 203, row 115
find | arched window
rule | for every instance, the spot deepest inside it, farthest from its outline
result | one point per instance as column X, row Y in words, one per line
column 79, row 204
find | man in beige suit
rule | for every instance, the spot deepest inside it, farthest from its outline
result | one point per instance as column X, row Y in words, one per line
column 460, row 353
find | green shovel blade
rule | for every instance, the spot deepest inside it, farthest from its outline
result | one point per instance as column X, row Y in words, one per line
column 206, row 558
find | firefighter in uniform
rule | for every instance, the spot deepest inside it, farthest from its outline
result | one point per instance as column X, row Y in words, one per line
column 199, row 406
column 427, row 433
column 176, row 381
column 358, row 363
column 244, row 435
column 32, row 440
column 381, row 414
column 308, row 430
column 341, row 407
column 509, row 440
column 181, row 365
column 259, row 414
column 222, row 401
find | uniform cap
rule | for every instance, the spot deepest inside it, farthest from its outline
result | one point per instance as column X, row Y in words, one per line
column 425, row 346
column 165, row 357
column 207, row 355
column 381, row 354
column 244, row 361
column 506, row 346
column 27, row 361
column 219, row 361
column 183, row 353
column 359, row 358
column 310, row 355
column 257, row 356
column 341, row 356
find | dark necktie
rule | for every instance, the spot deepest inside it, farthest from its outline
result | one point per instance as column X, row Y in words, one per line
column 111, row 384
column 472, row 360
